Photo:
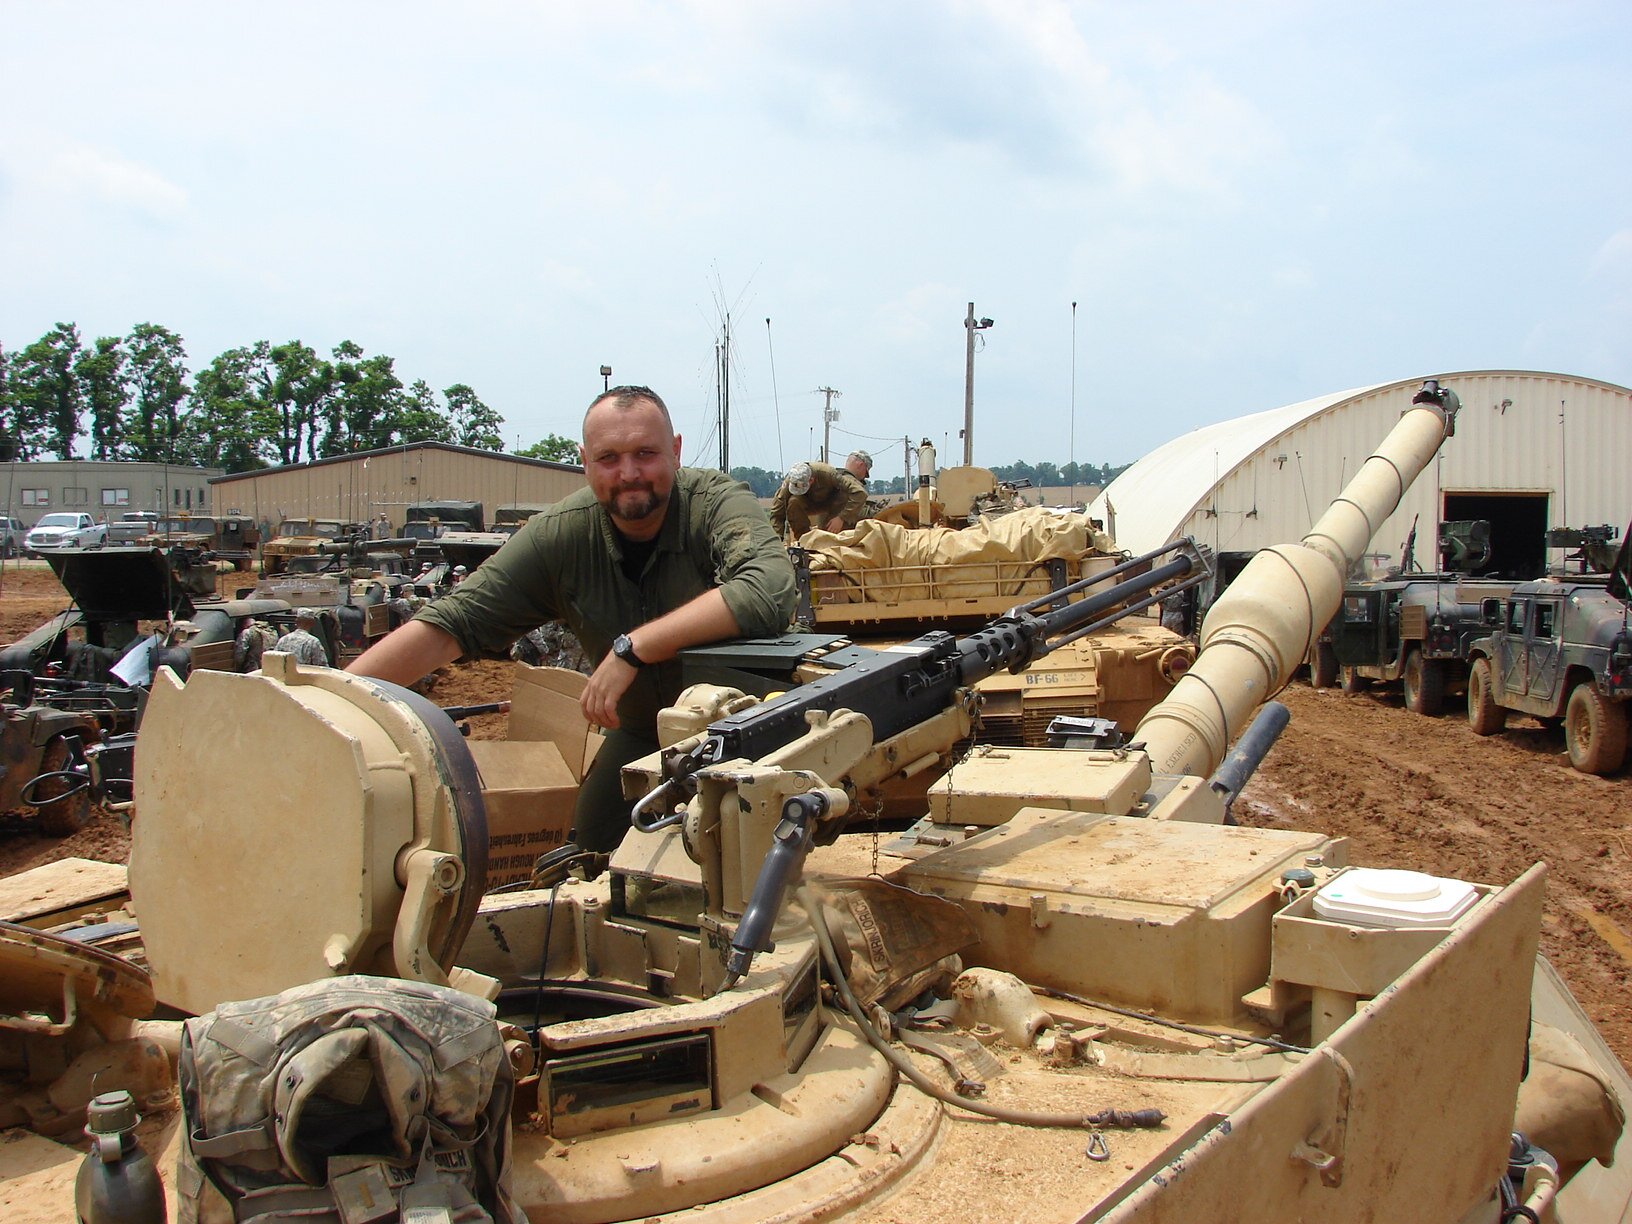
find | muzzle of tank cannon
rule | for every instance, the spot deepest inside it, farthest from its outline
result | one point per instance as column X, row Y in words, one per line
column 1262, row 627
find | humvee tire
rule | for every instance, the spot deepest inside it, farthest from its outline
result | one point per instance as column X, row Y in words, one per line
column 1424, row 684
column 1484, row 715
column 1594, row 730
column 1323, row 667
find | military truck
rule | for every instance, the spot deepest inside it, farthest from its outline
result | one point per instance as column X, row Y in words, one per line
column 1416, row 628
column 427, row 521
column 305, row 537
column 1561, row 650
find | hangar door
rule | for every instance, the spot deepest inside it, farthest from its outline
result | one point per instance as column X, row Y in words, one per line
column 1518, row 530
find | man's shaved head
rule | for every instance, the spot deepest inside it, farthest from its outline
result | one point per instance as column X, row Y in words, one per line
column 628, row 397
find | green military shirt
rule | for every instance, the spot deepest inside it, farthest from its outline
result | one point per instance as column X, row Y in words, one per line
column 834, row 493
column 566, row 563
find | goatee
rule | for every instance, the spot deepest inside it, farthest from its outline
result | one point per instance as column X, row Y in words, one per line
column 634, row 504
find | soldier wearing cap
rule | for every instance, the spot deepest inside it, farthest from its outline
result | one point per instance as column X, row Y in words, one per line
column 301, row 642
column 818, row 495
column 860, row 465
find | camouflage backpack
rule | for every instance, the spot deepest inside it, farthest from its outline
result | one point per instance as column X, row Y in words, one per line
column 347, row 1101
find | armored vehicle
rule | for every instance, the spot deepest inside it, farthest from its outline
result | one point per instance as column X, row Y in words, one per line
column 305, row 537
column 426, row 522
column 1415, row 627
column 1561, row 649
column 1176, row 1019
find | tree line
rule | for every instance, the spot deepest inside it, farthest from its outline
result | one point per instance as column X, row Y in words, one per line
column 134, row 398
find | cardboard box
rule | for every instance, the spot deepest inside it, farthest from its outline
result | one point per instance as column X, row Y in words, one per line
column 530, row 780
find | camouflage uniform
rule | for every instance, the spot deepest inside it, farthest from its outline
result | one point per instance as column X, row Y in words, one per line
column 834, row 493
column 551, row 645
column 253, row 640
column 304, row 646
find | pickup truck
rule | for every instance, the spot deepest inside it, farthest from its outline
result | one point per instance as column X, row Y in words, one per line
column 1561, row 651
column 57, row 530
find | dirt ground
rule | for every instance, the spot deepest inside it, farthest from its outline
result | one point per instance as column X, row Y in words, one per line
column 1407, row 792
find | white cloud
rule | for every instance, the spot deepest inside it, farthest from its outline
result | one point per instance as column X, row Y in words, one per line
column 112, row 179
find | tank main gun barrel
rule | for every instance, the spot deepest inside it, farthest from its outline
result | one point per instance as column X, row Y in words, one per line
column 1265, row 624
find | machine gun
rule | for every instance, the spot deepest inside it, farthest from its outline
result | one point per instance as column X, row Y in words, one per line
column 1594, row 546
column 905, row 707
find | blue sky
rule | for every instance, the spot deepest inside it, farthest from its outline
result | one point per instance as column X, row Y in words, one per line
column 1251, row 204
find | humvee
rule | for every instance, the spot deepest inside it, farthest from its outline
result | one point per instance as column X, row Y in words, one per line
column 1561, row 649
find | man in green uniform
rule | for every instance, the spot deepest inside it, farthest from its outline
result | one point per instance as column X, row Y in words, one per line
column 652, row 557
column 818, row 495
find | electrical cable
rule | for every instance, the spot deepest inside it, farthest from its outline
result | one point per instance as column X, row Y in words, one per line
column 1140, row 1118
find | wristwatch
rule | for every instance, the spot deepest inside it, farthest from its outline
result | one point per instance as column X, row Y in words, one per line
column 625, row 650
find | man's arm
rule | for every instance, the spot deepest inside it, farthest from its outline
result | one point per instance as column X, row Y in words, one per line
column 779, row 511
column 406, row 653
column 703, row 619
column 854, row 508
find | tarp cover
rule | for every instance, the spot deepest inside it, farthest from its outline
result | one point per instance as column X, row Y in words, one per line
column 891, row 563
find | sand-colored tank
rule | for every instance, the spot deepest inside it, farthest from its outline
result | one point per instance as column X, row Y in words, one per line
column 1171, row 1019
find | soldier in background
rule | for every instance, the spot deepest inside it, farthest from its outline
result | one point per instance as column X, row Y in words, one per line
column 860, row 465
column 254, row 639
column 301, row 642
column 817, row 495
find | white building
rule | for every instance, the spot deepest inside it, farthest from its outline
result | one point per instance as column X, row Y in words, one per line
column 1532, row 451
column 103, row 489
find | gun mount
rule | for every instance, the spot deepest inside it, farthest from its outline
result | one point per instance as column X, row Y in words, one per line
column 1240, row 1016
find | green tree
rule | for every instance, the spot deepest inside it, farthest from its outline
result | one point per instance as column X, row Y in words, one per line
column 300, row 384
column 366, row 408
column 474, row 423
column 158, row 365
column 46, row 395
column 228, row 418
column 552, row 448
column 105, row 378
column 422, row 417
column 760, row 482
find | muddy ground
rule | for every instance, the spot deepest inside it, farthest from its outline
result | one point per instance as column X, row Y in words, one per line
column 1406, row 791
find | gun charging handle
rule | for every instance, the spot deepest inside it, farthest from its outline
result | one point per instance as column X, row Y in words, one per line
column 790, row 843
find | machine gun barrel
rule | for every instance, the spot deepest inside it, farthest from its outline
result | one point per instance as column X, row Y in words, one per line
column 903, row 686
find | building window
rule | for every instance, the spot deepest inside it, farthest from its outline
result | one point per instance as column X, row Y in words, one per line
column 75, row 497
column 116, row 497
column 36, row 497
column 176, row 493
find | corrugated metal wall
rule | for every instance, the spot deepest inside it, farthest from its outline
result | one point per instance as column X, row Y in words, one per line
column 385, row 482
column 1569, row 438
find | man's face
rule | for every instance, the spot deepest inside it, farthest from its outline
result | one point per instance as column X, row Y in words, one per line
column 630, row 458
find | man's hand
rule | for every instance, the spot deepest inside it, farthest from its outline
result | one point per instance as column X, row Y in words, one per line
column 605, row 688
column 835, row 524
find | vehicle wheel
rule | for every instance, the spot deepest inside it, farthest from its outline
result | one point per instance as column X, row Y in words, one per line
column 68, row 815
column 1484, row 715
column 1323, row 667
column 1424, row 683
column 1594, row 730
column 1351, row 681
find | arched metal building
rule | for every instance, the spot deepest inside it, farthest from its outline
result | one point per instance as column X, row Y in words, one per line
column 1532, row 451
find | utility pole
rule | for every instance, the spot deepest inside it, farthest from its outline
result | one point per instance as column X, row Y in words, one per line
column 829, row 415
column 725, row 397
column 906, row 460
column 970, row 325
